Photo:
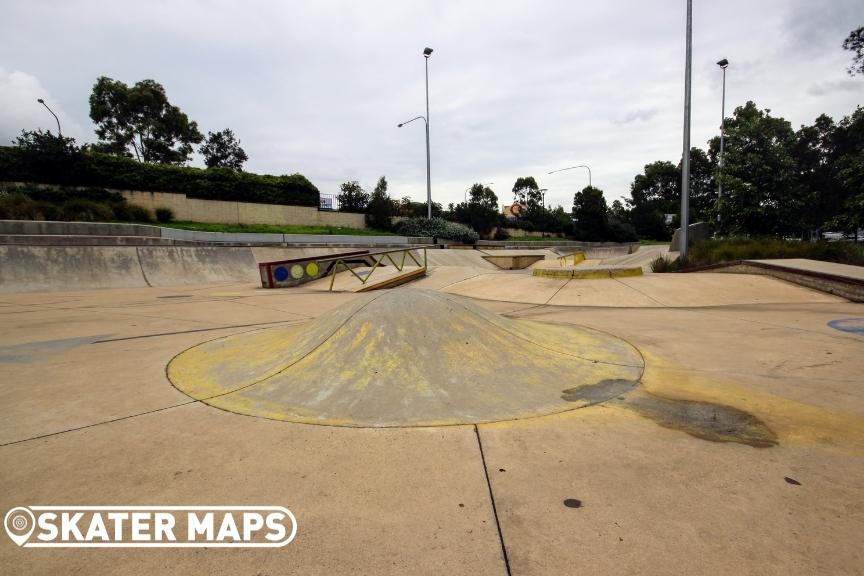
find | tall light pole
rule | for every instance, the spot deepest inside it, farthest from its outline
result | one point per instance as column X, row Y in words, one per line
column 685, row 160
column 426, row 53
column 573, row 167
column 41, row 101
column 724, row 63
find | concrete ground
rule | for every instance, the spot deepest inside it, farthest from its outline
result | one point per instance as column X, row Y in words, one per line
column 88, row 417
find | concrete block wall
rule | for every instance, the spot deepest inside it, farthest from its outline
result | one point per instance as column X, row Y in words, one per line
column 220, row 211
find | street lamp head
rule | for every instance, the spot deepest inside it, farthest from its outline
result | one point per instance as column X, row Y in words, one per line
column 723, row 63
column 427, row 52
column 399, row 125
column 40, row 100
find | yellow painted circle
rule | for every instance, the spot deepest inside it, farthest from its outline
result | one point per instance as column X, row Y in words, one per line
column 312, row 269
column 296, row 271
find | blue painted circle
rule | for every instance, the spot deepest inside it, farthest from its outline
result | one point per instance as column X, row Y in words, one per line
column 851, row 325
column 280, row 274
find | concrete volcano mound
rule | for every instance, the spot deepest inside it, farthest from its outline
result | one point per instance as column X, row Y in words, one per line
column 407, row 358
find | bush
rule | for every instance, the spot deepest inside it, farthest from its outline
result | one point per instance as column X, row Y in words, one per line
column 17, row 206
column 664, row 264
column 79, row 168
column 30, row 202
column 164, row 215
column 729, row 249
column 501, row 234
column 84, row 210
column 438, row 228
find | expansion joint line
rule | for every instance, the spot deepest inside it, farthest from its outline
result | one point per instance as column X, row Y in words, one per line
column 492, row 500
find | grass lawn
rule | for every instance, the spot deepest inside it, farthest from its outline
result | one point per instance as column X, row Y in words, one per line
column 654, row 242
column 275, row 229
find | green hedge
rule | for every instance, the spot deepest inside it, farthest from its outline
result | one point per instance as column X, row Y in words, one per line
column 437, row 227
column 103, row 170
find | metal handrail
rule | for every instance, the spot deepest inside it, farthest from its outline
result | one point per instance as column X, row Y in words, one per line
column 406, row 252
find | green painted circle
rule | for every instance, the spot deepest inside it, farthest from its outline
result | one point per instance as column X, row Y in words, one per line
column 296, row 271
column 312, row 269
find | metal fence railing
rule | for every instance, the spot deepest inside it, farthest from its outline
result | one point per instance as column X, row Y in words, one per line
column 328, row 202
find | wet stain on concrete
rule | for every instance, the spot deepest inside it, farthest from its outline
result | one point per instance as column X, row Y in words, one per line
column 705, row 420
column 572, row 503
column 599, row 392
column 791, row 481
column 714, row 422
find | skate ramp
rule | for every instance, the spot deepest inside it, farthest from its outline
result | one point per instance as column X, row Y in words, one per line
column 406, row 358
column 172, row 265
column 54, row 268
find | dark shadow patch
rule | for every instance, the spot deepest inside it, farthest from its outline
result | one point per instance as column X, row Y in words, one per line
column 572, row 503
column 599, row 392
column 714, row 422
column 791, row 481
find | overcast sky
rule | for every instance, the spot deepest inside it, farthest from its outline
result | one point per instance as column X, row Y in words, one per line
column 516, row 88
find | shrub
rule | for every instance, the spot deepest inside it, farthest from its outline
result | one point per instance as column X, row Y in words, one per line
column 79, row 168
column 729, row 249
column 164, row 215
column 501, row 234
column 84, row 210
column 438, row 228
column 138, row 213
column 665, row 264
column 31, row 202
column 17, row 206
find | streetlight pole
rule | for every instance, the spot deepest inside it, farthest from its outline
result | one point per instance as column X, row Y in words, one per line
column 724, row 63
column 573, row 167
column 426, row 53
column 41, row 101
column 685, row 160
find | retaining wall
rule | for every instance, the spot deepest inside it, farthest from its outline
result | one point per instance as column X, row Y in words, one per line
column 223, row 212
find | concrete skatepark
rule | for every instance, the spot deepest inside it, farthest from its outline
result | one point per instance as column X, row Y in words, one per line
column 474, row 421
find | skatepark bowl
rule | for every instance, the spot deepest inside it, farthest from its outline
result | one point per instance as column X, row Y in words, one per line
column 505, row 412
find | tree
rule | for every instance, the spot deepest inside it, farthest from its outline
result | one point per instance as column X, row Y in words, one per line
column 848, row 170
column 46, row 144
column 654, row 194
column 814, row 153
column 761, row 194
column 703, row 187
column 481, row 211
column 590, row 214
column 855, row 44
column 352, row 198
column 141, row 117
column 526, row 190
column 47, row 155
column 222, row 150
column 380, row 206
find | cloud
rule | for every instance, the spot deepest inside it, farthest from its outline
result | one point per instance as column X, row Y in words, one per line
column 639, row 115
column 19, row 109
column 823, row 88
